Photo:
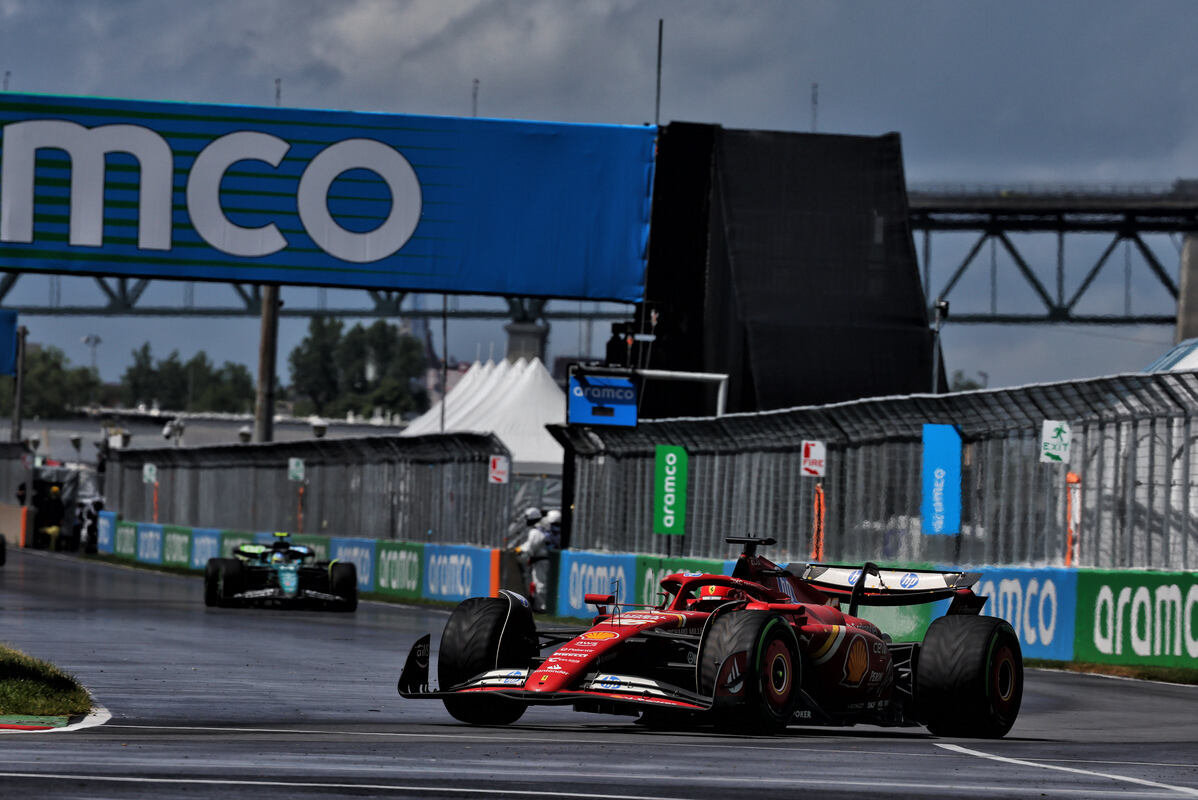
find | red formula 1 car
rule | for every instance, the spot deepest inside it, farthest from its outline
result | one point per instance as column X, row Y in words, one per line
column 755, row 651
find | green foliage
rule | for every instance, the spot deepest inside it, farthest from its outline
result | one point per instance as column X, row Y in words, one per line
column 31, row 686
column 314, row 374
column 961, row 383
column 52, row 388
column 364, row 369
column 194, row 385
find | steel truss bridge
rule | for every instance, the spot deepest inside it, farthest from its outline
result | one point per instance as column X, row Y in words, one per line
column 1123, row 214
column 990, row 214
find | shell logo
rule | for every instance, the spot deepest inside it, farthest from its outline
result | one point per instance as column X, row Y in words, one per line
column 601, row 636
column 856, row 663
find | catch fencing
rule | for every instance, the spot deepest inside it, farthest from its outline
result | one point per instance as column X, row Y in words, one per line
column 432, row 489
column 1131, row 500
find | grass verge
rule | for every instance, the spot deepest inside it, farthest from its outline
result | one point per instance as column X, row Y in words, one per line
column 31, row 686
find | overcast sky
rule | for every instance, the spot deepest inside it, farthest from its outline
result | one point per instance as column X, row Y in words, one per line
column 1014, row 92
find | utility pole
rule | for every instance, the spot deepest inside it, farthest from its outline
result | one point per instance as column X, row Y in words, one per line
column 268, row 344
column 940, row 310
column 657, row 104
column 814, row 107
column 18, row 385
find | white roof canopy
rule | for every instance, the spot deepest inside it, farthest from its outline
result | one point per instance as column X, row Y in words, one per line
column 515, row 401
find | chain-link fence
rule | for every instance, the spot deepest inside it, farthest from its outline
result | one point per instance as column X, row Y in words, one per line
column 1129, row 489
column 425, row 488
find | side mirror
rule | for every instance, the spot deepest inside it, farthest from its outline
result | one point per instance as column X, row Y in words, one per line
column 599, row 601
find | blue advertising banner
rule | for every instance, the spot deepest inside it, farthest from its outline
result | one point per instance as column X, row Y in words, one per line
column 106, row 532
column 205, row 544
column 328, row 198
column 456, row 572
column 360, row 552
column 149, row 542
column 594, row 400
column 8, row 341
column 1040, row 604
column 581, row 573
column 940, row 510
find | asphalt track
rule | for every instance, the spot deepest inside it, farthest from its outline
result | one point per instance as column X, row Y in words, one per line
column 261, row 703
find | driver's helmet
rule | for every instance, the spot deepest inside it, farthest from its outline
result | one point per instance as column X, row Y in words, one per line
column 532, row 515
column 277, row 557
column 712, row 597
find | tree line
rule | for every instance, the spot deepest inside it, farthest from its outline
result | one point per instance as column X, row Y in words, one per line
column 333, row 371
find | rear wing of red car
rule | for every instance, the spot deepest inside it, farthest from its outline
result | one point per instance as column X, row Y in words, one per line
column 870, row 585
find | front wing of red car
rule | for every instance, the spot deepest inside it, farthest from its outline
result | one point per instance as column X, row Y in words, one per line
column 595, row 686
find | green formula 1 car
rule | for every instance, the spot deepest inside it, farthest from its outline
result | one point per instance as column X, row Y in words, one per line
column 280, row 574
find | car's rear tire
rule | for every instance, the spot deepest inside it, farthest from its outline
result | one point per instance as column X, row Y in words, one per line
column 230, row 580
column 752, row 659
column 343, row 582
column 3, row 550
column 485, row 633
column 969, row 677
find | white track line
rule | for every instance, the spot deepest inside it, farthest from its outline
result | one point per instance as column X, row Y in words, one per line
column 1186, row 790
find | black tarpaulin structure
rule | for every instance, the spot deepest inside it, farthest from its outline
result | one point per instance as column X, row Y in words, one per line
column 785, row 260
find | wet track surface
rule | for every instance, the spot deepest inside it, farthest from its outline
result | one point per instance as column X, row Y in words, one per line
column 263, row 703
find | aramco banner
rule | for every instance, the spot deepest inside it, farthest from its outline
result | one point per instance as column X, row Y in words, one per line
column 334, row 198
column 669, row 490
column 940, row 509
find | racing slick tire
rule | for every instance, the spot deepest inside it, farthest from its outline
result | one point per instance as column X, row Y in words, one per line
column 485, row 633
column 230, row 580
column 969, row 677
column 750, row 662
column 3, row 550
column 343, row 582
column 211, row 582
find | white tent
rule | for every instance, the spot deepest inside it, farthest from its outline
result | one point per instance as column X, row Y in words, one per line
column 513, row 401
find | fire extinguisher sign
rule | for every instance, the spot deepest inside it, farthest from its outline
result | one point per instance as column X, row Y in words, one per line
column 815, row 458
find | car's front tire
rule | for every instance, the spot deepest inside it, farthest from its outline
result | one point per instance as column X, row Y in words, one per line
column 485, row 633
column 749, row 662
column 969, row 677
column 230, row 580
column 210, row 582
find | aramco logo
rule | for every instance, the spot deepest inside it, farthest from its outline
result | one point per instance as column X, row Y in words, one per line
column 87, row 148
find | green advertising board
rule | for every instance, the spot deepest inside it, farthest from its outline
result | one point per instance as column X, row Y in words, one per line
column 651, row 569
column 1142, row 618
column 231, row 540
column 176, row 546
column 669, row 490
column 399, row 569
column 126, row 540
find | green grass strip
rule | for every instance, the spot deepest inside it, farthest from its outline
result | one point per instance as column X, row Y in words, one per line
column 31, row 687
